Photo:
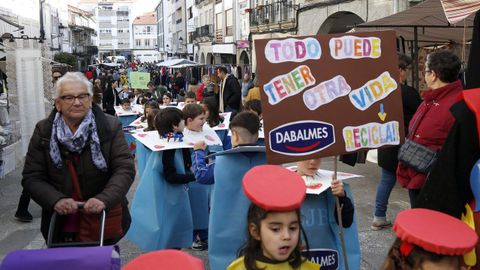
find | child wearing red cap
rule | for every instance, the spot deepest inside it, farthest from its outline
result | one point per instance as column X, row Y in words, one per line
column 274, row 222
column 429, row 240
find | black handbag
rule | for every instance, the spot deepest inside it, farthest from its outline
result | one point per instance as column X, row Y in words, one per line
column 415, row 155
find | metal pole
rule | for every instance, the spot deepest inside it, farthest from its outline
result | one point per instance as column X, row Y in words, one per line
column 339, row 218
column 415, row 62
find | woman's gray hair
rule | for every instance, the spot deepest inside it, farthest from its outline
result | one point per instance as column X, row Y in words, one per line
column 205, row 77
column 72, row 77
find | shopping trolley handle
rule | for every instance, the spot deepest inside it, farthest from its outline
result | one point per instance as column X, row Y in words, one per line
column 51, row 229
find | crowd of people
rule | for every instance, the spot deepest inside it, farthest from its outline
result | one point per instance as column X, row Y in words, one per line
column 78, row 164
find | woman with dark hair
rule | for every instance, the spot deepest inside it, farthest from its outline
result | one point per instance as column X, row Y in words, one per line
column 110, row 97
column 431, row 122
column 210, row 105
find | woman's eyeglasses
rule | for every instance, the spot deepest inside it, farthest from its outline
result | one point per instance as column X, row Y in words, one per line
column 71, row 99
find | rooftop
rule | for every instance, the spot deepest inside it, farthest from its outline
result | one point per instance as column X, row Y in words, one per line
column 146, row 18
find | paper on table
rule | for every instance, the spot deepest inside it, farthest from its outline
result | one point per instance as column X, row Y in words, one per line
column 207, row 134
column 152, row 140
column 136, row 109
column 226, row 121
column 322, row 180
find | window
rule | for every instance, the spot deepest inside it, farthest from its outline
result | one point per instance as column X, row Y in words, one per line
column 138, row 42
column 147, row 42
column 229, row 18
column 149, row 29
column 219, row 22
column 190, row 13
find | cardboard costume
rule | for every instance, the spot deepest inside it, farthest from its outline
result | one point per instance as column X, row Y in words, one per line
column 319, row 223
column 161, row 212
column 229, row 206
column 273, row 189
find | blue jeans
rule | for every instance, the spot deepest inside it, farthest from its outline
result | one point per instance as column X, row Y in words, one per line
column 384, row 188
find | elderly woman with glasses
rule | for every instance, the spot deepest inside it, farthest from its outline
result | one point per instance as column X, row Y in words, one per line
column 432, row 121
column 78, row 164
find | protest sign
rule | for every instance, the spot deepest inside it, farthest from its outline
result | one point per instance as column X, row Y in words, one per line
column 139, row 80
column 329, row 95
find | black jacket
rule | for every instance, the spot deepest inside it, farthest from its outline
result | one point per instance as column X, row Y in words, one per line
column 110, row 99
column 232, row 93
column 447, row 188
column 387, row 157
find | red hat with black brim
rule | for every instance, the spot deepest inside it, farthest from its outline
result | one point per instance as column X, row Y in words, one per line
column 433, row 231
column 274, row 188
column 165, row 260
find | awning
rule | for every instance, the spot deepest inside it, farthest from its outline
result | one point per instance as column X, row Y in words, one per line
column 457, row 10
column 429, row 20
column 178, row 63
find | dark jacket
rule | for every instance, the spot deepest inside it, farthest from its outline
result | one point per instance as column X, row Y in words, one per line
column 387, row 157
column 169, row 170
column 110, row 100
column 232, row 94
column 447, row 188
column 431, row 130
column 47, row 184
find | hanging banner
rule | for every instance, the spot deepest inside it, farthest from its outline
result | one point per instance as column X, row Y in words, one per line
column 139, row 80
column 329, row 95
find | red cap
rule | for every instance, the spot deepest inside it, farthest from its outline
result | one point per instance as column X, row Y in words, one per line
column 434, row 231
column 274, row 188
column 165, row 260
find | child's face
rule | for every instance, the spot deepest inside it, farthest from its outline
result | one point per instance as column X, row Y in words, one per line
column 180, row 127
column 190, row 101
column 126, row 106
column 309, row 167
column 166, row 100
column 197, row 123
column 279, row 234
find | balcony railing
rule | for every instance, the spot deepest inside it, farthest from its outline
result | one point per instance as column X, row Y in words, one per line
column 85, row 50
column 277, row 12
column 218, row 36
column 204, row 32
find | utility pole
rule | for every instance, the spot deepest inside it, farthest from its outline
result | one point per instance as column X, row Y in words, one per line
column 42, row 30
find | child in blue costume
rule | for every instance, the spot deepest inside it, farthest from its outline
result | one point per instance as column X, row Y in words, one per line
column 320, row 216
column 228, row 203
column 171, row 120
column 274, row 222
column 210, row 105
column 194, row 117
column 244, row 128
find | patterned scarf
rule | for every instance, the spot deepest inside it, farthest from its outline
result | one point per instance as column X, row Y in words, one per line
column 86, row 133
